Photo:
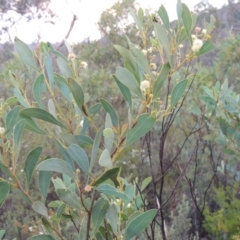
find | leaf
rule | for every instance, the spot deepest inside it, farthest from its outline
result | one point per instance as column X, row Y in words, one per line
column 63, row 86
column 144, row 124
column 187, row 21
column 112, row 191
column 18, row 94
column 208, row 100
column 39, row 87
column 109, row 109
column 4, row 190
column 5, row 169
column 99, row 211
column 40, row 208
column 48, row 67
column 163, row 39
column 141, row 60
column 13, row 80
column 58, row 183
column 30, row 163
column 95, row 148
column 64, row 67
column 11, row 118
column 92, row 111
column 47, row 226
column 229, row 151
column 125, row 92
column 178, row 92
column 40, row 114
column 56, row 165
column 164, row 17
column 128, row 57
column 24, row 53
column 83, row 228
column 60, row 210
column 17, row 133
column 160, row 80
column 80, row 157
column 127, row 78
column 112, row 215
column 194, row 20
column 42, row 237
column 146, row 182
column 137, row 20
column 108, row 174
column 68, row 139
column 52, row 108
column 206, row 47
column 10, row 101
column 43, row 182
column 70, row 198
column 210, row 25
column 108, row 134
column 195, row 110
column 84, row 141
column 95, row 109
column 139, row 223
column 132, row 217
column 77, row 92
column 2, row 232
column 31, row 125
column 105, row 159
column 179, row 11
column 66, row 156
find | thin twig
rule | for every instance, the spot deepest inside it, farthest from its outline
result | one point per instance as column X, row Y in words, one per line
column 69, row 31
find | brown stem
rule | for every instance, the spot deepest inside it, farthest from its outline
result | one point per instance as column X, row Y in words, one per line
column 89, row 216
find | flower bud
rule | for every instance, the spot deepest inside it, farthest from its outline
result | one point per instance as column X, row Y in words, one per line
column 71, row 56
column 145, row 84
column 197, row 30
column 204, row 31
column 153, row 66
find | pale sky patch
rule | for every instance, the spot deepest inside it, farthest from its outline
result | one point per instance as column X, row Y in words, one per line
column 88, row 13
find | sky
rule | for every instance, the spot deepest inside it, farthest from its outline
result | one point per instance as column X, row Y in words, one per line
column 88, row 13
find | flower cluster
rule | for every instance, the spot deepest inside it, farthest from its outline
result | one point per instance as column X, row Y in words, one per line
column 197, row 44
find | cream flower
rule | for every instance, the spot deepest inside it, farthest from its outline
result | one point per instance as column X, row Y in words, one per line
column 137, row 47
column 194, row 37
column 204, row 31
column 150, row 50
column 153, row 66
column 145, row 84
column 197, row 44
column 81, row 123
column 144, row 51
column 2, row 130
column 71, row 56
column 84, row 64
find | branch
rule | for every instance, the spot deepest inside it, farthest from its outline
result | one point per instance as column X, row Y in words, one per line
column 69, row 31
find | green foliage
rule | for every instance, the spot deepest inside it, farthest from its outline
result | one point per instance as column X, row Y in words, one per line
column 225, row 218
column 96, row 200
